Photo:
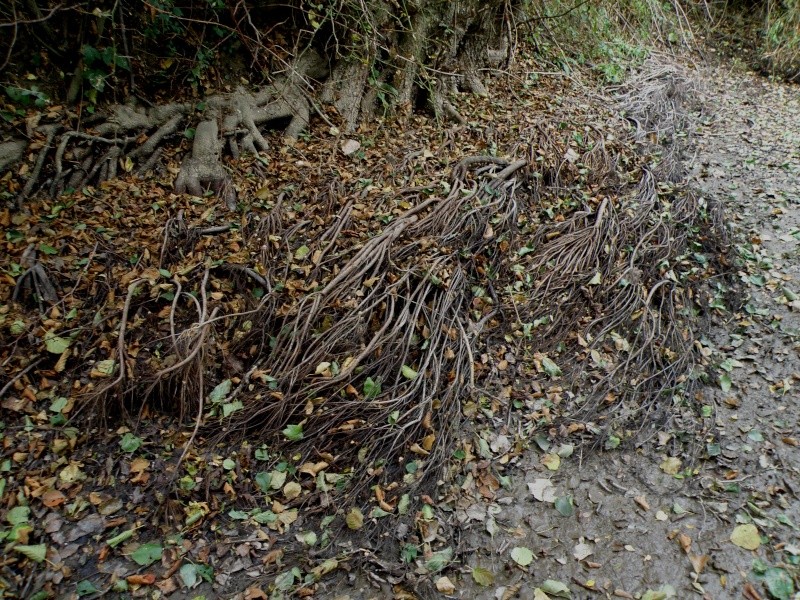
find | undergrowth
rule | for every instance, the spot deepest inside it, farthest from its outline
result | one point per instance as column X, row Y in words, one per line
column 782, row 38
column 612, row 38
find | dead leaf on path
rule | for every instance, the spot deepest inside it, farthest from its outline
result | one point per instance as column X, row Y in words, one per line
column 671, row 465
column 139, row 468
column 551, row 461
column 354, row 519
column 145, row 579
column 445, row 586
column 167, row 586
column 582, row 551
column 699, row 562
column 350, row 147
column 543, row 490
column 312, row 468
column 746, row 536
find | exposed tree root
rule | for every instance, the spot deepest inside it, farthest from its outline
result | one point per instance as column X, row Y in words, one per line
column 130, row 138
column 34, row 280
column 623, row 274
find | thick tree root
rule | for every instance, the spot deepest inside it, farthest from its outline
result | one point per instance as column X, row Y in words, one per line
column 130, row 138
column 34, row 280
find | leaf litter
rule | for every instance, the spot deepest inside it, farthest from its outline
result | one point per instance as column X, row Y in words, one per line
column 324, row 341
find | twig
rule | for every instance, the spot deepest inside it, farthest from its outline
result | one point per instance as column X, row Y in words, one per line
column 19, row 376
column 16, row 23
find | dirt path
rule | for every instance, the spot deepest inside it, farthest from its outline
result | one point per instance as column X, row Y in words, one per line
column 635, row 524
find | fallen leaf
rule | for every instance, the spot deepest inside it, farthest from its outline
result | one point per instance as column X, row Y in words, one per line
column 550, row 367
column 543, row 490
column 146, row 554
column 581, row 551
column 482, row 576
column 145, row 579
column 670, row 465
column 556, row 588
column 54, row 343
column 36, row 553
column 522, row 556
column 350, row 147
column 746, row 536
column 699, row 562
column 53, row 498
column 292, row 490
column 354, row 519
column 439, row 560
column 564, row 506
column 779, row 583
column 551, row 461
column 445, row 586
column 188, row 573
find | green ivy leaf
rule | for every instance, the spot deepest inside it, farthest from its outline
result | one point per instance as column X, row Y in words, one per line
column 439, row 560
column 264, row 517
column 555, row 588
column 372, row 387
column 130, row 443
column 146, row 554
column 36, row 553
column 482, row 576
column 293, row 433
column 86, row 588
column 565, row 506
column 779, row 584
column 18, row 515
column 188, row 575
column 231, row 407
column 551, row 368
column 263, row 481
column 285, row 581
column 220, row 392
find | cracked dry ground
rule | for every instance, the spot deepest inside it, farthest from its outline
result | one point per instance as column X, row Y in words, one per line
column 638, row 531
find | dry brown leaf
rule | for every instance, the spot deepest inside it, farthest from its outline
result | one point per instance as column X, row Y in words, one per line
column 144, row 579
column 699, row 562
column 52, row 498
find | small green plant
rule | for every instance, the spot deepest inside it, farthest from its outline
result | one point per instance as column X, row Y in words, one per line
column 21, row 99
column 98, row 66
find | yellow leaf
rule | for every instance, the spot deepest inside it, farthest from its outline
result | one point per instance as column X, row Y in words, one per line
column 746, row 536
column 354, row 519
column 671, row 465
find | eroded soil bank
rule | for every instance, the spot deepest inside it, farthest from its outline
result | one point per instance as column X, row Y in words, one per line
column 646, row 523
